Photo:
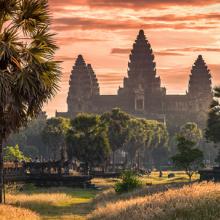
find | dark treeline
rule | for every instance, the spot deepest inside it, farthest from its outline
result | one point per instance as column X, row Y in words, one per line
column 114, row 137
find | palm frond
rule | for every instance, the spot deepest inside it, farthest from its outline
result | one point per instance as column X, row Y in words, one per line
column 217, row 92
column 32, row 15
column 7, row 9
column 43, row 39
column 28, row 75
column 9, row 48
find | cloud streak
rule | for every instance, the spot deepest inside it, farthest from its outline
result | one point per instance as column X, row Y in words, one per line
column 177, row 18
column 126, row 51
column 193, row 49
column 80, row 23
column 134, row 4
column 70, row 40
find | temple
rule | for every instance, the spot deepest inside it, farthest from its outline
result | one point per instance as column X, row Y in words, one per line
column 141, row 94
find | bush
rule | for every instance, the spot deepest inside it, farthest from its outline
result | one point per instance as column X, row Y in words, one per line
column 129, row 181
column 14, row 153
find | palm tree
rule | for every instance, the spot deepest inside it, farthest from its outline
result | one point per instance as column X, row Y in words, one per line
column 28, row 75
column 217, row 92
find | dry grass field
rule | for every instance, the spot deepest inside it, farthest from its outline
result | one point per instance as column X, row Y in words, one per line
column 200, row 201
column 8, row 212
column 77, row 204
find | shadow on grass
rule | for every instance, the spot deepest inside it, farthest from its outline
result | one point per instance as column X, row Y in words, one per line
column 50, row 210
column 79, row 205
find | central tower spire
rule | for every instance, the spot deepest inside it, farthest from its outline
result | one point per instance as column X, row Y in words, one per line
column 142, row 67
column 142, row 63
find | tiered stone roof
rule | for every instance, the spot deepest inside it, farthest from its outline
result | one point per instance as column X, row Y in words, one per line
column 83, row 83
column 200, row 79
column 142, row 67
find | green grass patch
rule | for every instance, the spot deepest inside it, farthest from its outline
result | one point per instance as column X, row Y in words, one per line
column 55, row 203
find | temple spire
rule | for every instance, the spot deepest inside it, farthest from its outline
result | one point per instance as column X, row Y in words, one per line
column 142, row 67
column 200, row 79
column 142, row 59
column 95, row 84
column 80, row 84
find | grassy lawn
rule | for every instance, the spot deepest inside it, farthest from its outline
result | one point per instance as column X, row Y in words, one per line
column 69, row 203
column 153, row 179
column 180, row 176
column 55, row 203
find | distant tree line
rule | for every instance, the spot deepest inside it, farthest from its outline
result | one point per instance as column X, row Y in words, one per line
column 94, row 139
column 98, row 139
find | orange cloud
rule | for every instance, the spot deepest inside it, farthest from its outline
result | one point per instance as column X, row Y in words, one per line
column 174, row 17
column 194, row 49
column 73, row 23
column 158, row 53
column 149, row 3
column 68, row 40
column 134, row 4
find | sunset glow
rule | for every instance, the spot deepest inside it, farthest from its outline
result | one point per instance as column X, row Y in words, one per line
column 104, row 32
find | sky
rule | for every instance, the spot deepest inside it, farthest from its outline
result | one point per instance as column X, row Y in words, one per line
column 103, row 31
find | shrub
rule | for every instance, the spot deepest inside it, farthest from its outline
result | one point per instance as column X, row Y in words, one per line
column 129, row 181
column 14, row 153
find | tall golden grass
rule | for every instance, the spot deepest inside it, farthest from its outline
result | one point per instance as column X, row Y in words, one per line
column 200, row 201
column 8, row 212
column 111, row 196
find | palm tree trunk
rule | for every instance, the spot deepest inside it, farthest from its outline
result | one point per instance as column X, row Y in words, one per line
column 1, row 170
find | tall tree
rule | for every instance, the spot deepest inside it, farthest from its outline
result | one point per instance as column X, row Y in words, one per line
column 156, row 139
column 87, row 140
column 136, row 138
column 30, row 138
column 117, row 122
column 54, row 136
column 188, row 156
column 213, row 123
column 28, row 75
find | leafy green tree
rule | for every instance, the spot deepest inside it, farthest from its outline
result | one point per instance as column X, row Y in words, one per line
column 29, row 76
column 191, row 131
column 54, row 136
column 117, row 123
column 136, row 138
column 156, row 140
column 30, row 138
column 212, row 132
column 87, row 140
column 213, row 123
column 14, row 154
column 189, row 158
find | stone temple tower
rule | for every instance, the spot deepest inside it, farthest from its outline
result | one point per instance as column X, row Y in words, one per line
column 200, row 90
column 83, row 86
column 200, row 84
column 142, row 85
